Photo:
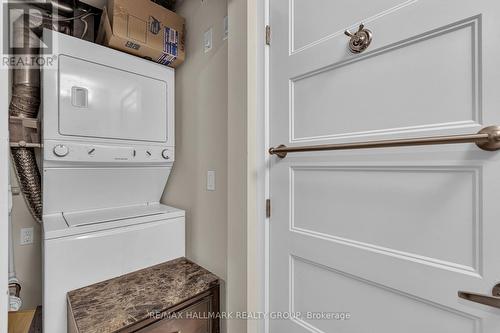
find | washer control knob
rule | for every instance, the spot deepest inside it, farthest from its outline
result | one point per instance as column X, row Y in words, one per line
column 61, row 150
column 165, row 154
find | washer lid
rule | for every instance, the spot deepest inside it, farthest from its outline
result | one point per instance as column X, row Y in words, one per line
column 76, row 219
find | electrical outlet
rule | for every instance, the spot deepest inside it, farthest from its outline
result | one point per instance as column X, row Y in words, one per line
column 26, row 237
column 207, row 40
column 210, row 180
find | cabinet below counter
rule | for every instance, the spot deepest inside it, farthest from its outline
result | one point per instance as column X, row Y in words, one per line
column 176, row 296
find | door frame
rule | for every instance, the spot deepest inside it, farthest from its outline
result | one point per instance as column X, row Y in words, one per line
column 4, row 180
column 258, row 165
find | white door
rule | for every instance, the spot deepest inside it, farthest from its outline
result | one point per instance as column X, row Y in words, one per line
column 386, row 236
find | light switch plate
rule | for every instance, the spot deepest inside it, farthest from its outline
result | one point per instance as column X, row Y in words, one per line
column 26, row 236
column 210, row 180
column 207, row 40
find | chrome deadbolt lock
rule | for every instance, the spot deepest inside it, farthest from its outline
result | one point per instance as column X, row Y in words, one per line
column 360, row 40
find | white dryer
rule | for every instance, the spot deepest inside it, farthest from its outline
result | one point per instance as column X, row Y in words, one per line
column 108, row 137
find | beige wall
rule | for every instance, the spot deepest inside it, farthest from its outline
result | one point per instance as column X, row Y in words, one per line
column 201, row 136
column 212, row 134
column 237, row 162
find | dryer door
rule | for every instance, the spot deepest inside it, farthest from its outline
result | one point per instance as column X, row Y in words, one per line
column 104, row 102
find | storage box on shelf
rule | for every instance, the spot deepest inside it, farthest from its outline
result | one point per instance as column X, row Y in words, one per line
column 145, row 29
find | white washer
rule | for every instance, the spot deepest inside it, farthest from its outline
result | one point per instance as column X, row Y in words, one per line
column 76, row 256
column 108, row 135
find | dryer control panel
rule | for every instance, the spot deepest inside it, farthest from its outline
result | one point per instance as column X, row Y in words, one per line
column 88, row 152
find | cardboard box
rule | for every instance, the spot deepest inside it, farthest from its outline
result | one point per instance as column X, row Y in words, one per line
column 145, row 29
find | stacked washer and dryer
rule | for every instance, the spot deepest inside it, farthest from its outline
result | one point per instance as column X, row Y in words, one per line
column 108, row 138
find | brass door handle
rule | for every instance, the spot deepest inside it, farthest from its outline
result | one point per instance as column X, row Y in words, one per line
column 493, row 301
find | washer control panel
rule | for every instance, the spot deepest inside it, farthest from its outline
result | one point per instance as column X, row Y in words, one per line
column 88, row 152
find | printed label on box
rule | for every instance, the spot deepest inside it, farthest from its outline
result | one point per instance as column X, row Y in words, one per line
column 166, row 59
column 171, row 42
column 132, row 45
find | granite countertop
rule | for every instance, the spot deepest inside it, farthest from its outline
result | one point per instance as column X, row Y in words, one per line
column 119, row 302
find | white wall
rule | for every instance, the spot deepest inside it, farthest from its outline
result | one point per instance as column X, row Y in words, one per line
column 4, row 174
column 27, row 258
column 201, row 136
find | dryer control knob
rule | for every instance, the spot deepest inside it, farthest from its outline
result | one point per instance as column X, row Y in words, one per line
column 165, row 154
column 61, row 150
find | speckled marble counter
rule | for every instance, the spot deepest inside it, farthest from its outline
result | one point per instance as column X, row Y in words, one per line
column 112, row 305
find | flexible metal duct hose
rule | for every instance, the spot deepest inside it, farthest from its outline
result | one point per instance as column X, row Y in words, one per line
column 25, row 102
column 29, row 179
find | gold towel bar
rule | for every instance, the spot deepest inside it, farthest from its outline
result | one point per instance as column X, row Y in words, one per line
column 487, row 139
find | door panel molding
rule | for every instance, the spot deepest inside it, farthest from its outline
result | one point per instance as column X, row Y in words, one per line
column 331, row 87
column 462, row 253
column 332, row 282
column 296, row 47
